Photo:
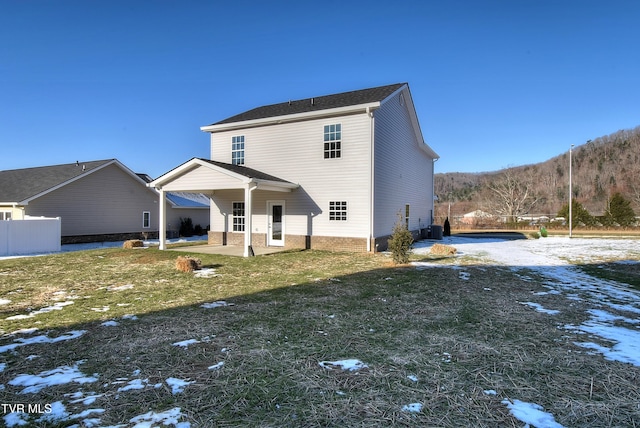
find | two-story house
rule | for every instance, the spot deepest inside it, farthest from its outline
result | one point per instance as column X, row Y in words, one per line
column 330, row 172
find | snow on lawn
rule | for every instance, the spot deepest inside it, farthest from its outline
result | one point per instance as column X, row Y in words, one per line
column 58, row 376
column 531, row 414
column 349, row 365
column 550, row 258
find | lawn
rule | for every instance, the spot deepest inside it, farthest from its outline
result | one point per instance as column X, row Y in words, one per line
column 123, row 338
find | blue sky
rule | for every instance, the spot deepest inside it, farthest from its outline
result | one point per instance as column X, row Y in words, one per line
column 496, row 83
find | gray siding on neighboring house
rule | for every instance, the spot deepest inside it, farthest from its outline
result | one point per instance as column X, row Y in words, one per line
column 403, row 171
column 104, row 202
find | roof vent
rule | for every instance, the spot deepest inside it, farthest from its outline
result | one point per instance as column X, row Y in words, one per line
column 313, row 101
column 289, row 102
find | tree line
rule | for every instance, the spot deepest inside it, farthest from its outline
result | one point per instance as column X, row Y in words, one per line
column 605, row 182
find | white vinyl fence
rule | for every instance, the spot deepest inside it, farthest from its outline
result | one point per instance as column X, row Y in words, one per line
column 29, row 236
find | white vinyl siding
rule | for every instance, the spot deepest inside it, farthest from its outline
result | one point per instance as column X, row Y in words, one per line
column 200, row 179
column 403, row 170
column 295, row 152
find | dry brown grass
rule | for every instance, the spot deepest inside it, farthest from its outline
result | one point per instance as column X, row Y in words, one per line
column 132, row 243
column 443, row 250
column 188, row 263
column 458, row 337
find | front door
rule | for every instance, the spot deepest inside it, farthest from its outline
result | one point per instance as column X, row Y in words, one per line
column 275, row 226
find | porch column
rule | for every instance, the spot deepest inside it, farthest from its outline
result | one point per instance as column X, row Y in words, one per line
column 162, row 226
column 248, row 211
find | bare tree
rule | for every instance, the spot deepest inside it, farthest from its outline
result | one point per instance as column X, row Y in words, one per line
column 513, row 193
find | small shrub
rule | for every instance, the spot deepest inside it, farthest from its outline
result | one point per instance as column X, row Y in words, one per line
column 543, row 232
column 198, row 230
column 443, row 250
column 535, row 235
column 188, row 264
column 400, row 242
column 132, row 243
column 186, row 227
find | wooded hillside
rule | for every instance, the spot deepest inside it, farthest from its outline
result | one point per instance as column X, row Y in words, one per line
column 601, row 167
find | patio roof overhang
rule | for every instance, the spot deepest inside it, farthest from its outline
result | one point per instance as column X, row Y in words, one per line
column 206, row 176
column 202, row 175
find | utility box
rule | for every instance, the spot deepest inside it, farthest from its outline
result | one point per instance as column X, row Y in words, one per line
column 436, row 231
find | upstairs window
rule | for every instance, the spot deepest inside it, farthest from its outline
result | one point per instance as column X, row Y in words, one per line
column 238, row 216
column 237, row 150
column 332, row 141
column 5, row 215
column 338, row 210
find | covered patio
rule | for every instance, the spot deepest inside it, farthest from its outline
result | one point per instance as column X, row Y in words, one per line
column 208, row 177
column 226, row 250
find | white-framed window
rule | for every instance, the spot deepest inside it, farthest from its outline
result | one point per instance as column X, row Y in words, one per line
column 238, row 217
column 5, row 215
column 338, row 210
column 237, row 150
column 333, row 141
column 146, row 219
column 406, row 215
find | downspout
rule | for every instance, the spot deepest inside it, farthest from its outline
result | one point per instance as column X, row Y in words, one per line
column 371, row 178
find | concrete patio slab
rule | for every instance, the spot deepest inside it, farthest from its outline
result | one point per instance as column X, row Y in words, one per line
column 225, row 250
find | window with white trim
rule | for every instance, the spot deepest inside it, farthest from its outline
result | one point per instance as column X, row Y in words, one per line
column 5, row 215
column 338, row 210
column 406, row 215
column 146, row 219
column 333, row 141
column 237, row 150
column 238, row 217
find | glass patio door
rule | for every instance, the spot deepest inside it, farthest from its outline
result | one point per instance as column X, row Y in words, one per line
column 275, row 235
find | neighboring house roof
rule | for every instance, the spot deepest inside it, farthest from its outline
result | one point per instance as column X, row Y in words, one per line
column 188, row 200
column 22, row 185
column 363, row 96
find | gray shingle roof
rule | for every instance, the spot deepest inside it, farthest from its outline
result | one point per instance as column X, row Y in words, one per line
column 18, row 185
column 244, row 171
column 344, row 99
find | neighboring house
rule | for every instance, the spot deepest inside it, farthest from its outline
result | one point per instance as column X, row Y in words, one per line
column 96, row 201
column 475, row 217
column 331, row 172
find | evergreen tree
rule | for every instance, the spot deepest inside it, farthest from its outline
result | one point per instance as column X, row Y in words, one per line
column 579, row 214
column 447, row 227
column 620, row 211
column 400, row 242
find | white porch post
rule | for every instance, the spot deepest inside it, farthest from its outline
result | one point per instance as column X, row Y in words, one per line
column 248, row 211
column 162, row 227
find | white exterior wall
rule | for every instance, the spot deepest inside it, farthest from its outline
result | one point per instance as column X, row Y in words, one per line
column 295, row 152
column 201, row 179
column 403, row 171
